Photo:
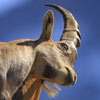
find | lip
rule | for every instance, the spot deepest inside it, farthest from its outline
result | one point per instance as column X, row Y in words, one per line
column 71, row 80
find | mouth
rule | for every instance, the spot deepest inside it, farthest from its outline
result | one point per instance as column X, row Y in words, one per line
column 70, row 79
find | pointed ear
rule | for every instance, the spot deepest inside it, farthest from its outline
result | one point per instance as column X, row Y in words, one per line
column 48, row 23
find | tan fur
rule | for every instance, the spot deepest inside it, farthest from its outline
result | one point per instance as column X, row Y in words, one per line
column 24, row 63
column 32, row 89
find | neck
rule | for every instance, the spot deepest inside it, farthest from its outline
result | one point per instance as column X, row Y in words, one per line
column 29, row 91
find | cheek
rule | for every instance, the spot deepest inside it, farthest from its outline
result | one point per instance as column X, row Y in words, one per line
column 49, row 72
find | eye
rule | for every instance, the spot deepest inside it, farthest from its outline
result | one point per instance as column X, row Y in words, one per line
column 63, row 46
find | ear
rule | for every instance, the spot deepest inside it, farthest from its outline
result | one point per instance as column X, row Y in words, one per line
column 48, row 23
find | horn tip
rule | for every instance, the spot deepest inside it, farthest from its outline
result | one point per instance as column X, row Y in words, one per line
column 50, row 5
column 47, row 4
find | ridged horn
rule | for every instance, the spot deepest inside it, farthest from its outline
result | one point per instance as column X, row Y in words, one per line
column 71, row 31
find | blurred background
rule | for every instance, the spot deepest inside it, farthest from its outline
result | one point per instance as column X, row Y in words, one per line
column 23, row 19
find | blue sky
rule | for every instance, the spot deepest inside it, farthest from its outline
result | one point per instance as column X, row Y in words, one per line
column 23, row 19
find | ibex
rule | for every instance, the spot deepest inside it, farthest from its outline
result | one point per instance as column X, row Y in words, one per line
column 43, row 58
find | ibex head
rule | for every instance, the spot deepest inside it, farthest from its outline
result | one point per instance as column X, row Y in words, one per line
column 54, row 60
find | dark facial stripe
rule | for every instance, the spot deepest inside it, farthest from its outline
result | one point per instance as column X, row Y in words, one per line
column 18, row 95
column 49, row 72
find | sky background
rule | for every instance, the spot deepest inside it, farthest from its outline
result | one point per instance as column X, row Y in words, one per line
column 23, row 19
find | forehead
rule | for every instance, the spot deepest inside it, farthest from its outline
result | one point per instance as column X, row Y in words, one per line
column 45, row 46
column 52, row 44
column 48, row 43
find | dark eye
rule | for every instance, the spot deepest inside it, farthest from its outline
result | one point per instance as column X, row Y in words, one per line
column 64, row 46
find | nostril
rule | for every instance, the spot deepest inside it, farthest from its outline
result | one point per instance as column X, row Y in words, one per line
column 75, row 78
column 71, row 76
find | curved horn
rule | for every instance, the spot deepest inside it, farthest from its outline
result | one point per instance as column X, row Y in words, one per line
column 71, row 29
